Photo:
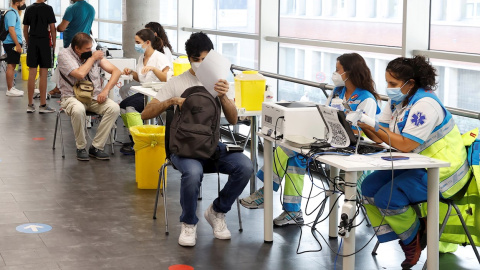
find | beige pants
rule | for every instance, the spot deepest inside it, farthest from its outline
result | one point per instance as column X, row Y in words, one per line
column 77, row 111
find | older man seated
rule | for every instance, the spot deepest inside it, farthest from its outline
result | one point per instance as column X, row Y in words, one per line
column 76, row 63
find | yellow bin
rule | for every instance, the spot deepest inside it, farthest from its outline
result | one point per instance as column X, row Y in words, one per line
column 180, row 65
column 250, row 90
column 25, row 68
column 149, row 154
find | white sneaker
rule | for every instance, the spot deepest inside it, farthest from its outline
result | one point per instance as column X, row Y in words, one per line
column 254, row 201
column 217, row 221
column 18, row 90
column 36, row 91
column 13, row 93
column 188, row 235
column 287, row 218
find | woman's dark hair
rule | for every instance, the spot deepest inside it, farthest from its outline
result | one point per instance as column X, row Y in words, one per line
column 158, row 28
column 148, row 35
column 198, row 43
column 358, row 72
column 81, row 39
column 417, row 68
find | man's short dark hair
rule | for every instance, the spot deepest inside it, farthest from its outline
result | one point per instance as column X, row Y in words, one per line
column 80, row 40
column 198, row 43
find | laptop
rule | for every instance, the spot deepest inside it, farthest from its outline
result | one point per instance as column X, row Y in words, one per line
column 341, row 137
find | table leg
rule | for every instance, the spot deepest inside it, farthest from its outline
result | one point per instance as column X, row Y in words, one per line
column 145, row 102
column 254, row 153
column 268, row 191
column 333, row 218
column 432, row 219
column 349, row 242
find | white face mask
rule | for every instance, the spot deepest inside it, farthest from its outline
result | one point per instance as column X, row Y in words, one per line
column 337, row 79
column 195, row 66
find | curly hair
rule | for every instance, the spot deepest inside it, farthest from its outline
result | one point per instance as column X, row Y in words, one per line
column 158, row 28
column 418, row 69
column 358, row 72
column 197, row 43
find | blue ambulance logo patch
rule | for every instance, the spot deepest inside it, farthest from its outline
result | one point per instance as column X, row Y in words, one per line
column 418, row 119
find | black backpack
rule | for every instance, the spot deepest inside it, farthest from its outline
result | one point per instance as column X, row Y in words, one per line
column 195, row 128
column 3, row 31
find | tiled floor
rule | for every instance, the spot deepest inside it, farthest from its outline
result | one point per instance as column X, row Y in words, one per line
column 101, row 220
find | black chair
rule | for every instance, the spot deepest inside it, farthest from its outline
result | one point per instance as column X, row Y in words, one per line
column 59, row 123
column 162, row 181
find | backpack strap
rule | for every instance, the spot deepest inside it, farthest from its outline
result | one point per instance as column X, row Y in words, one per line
column 65, row 79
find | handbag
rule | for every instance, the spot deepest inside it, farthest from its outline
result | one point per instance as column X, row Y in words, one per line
column 83, row 89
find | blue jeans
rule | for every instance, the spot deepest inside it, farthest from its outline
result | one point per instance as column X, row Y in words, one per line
column 238, row 167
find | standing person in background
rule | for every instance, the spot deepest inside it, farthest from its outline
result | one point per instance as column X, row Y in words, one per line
column 13, row 44
column 78, row 18
column 38, row 19
column 165, row 46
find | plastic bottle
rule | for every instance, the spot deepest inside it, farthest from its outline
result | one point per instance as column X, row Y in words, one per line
column 268, row 96
column 337, row 103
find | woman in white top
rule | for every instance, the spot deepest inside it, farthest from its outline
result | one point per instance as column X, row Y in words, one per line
column 152, row 66
column 164, row 46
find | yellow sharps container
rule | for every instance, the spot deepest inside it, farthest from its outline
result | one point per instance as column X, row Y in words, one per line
column 180, row 65
column 249, row 90
column 149, row 154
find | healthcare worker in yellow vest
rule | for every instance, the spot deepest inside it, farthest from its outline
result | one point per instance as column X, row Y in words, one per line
column 414, row 120
column 355, row 87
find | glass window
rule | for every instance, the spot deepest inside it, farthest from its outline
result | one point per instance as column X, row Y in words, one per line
column 110, row 31
column 110, row 10
column 354, row 21
column 56, row 5
column 230, row 15
column 172, row 37
column 317, row 64
column 454, row 26
column 168, row 12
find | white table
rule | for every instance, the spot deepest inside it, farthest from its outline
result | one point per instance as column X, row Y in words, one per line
column 351, row 165
column 150, row 93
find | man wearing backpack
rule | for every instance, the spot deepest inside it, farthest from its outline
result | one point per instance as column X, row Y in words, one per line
column 238, row 167
column 39, row 31
column 13, row 44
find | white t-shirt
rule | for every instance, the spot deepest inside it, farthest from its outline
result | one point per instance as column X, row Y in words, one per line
column 158, row 60
column 169, row 56
column 368, row 105
column 178, row 84
column 423, row 117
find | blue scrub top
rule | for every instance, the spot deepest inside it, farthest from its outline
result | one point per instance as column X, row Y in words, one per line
column 80, row 17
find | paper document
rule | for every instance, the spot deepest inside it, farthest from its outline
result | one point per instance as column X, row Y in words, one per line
column 337, row 135
column 213, row 68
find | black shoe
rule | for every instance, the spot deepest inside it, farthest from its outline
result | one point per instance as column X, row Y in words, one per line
column 98, row 154
column 82, row 155
column 127, row 149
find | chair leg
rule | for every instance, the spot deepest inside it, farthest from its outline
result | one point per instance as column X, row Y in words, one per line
column 164, row 182
column 61, row 135
column 466, row 231
column 200, row 193
column 56, row 127
column 374, row 251
column 158, row 192
column 112, row 139
column 240, row 229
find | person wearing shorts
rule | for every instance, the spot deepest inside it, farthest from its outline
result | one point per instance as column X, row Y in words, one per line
column 13, row 44
column 38, row 29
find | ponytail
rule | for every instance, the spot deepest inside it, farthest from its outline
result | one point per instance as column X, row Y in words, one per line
column 157, row 44
column 418, row 69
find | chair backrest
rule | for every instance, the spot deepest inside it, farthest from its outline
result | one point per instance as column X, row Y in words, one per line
column 168, row 121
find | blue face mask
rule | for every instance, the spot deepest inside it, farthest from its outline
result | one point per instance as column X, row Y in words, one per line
column 138, row 48
column 396, row 95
